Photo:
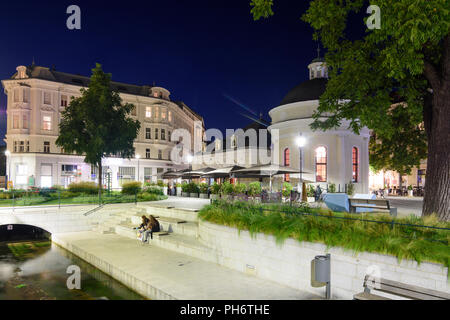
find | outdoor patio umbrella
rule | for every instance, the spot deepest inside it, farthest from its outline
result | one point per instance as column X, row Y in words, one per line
column 269, row 170
column 174, row 174
column 196, row 173
column 221, row 173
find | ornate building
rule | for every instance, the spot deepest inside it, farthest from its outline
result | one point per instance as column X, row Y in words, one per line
column 335, row 156
column 36, row 97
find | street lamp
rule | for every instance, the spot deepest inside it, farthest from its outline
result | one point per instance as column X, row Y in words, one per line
column 301, row 142
column 8, row 154
column 138, row 156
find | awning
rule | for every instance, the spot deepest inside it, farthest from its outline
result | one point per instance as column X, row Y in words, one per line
column 222, row 172
column 196, row 173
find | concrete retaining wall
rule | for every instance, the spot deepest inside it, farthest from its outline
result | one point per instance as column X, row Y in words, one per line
column 290, row 263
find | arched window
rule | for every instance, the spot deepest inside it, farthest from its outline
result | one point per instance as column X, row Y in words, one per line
column 287, row 163
column 355, row 164
column 321, row 164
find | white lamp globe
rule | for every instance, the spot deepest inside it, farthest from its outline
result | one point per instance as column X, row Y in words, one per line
column 301, row 141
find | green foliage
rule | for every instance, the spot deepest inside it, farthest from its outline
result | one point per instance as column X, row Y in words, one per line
column 193, row 188
column 83, row 187
column 132, row 187
column 227, row 188
column 332, row 188
column 97, row 124
column 216, row 188
column 161, row 184
column 283, row 222
column 254, row 189
column 261, row 8
column 179, row 185
column 410, row 187
column 146, row 196
column 185, row 187
column 240, row 188
column 310, row 191
column 153, row 190
column 287, row 188
column 350, row 188
column 203, row 188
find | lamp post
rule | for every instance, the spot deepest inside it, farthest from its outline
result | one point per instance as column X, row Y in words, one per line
column 8, row 157
column 301, row 142
column 138, row 156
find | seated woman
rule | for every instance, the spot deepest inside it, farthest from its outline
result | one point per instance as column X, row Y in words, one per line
column 141, row 229
column 152, row 226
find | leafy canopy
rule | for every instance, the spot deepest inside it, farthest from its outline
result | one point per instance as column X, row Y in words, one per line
column 369, row 75
column 97, row 124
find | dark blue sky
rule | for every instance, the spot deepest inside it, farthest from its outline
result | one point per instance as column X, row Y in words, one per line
column 199, row 50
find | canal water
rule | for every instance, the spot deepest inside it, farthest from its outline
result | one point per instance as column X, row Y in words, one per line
column 37, row 270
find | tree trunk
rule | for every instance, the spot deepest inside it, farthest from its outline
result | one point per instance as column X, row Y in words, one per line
column 437, row 183
column 100, row 174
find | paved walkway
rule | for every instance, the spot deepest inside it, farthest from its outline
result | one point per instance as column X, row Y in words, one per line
column 174, row 274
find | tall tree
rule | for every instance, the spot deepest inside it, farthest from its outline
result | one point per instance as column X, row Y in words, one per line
column 97, row 124
column 408, row 57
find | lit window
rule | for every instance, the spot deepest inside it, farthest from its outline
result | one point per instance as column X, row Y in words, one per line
column 170, row 116
column 287, row 163
column 47, row 123
column 148, row 112
column 157, row 113
column 321, row 164
column 355, row 164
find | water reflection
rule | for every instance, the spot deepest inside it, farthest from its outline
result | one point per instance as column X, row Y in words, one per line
column 37, row 271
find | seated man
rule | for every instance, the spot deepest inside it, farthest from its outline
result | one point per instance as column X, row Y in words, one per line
column 152, row 226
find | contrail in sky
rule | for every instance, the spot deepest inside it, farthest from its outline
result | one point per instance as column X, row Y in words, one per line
column 240, row 104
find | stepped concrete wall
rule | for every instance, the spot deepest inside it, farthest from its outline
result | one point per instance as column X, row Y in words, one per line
column 290, row 263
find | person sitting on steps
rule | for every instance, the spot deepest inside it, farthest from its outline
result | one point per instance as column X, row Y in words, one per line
column 152, row 226
column 141, row 229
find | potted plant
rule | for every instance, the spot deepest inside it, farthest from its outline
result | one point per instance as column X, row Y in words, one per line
column 203, row 188
column 185, row 190
column 310, row 193
column 286, row 191
column 350, row 189
column 332, row 188
column 215, row 191
column 410, row 191
column 179, row 189
column 254, row 191
column 193, row 190
column 227, row 190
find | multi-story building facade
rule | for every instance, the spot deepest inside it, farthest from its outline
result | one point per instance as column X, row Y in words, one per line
column 37, row 96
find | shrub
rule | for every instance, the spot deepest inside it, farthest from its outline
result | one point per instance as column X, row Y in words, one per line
column 332, row 188
column 240, row 188
column 185, row 187
column 410, row 188
column 145, row 196
column 311, row 190
column 287, row 188
column 154, row 190
column 161, row 184
column 203, row 187
column 179, row 185
column 193, row 188
column 216, row 188
column 84, row 187
column 227, row 188
column 350, row 188
column 132, row 187
column 254, row 189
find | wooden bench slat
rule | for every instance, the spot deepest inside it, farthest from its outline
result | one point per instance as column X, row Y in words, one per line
column 407, row 290
column 368, row 296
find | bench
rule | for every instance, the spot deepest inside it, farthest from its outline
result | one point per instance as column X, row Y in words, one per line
column 371, row 204
column 398, row 289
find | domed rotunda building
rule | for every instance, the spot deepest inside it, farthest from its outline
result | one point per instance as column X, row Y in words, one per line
column 335, row 156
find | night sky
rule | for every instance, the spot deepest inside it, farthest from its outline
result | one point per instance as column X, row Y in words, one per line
column 198, row 50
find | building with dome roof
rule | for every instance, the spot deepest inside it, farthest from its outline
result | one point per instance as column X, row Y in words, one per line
column 336, row 156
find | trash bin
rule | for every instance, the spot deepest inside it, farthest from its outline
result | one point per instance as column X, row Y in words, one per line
column 322, row 268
